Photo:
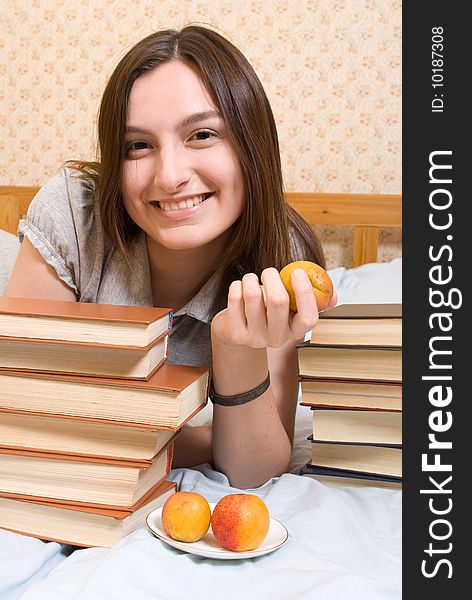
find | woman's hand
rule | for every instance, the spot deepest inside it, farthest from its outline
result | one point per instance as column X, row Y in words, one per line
column 258, row 316
column 257, row 323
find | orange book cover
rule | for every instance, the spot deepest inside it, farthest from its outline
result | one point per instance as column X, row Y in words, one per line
column 60, row 309
column 19, row 318
column 106, row 421
column 110, row 400
column 168, row 450
column 53, row 342
column 83, row 359
column 169, row 377
column 157, row 490
column 67, row 524
column 124, row 462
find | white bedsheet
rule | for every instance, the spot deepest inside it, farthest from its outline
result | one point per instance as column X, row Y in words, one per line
column 344, row 543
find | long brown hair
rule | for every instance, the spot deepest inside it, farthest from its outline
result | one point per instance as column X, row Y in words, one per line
column 261, row 236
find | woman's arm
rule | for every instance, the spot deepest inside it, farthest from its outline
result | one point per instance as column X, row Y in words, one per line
column 32, row 277
column 252, row 441
column 193, row 446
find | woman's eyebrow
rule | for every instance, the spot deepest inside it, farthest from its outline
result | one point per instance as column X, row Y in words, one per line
column 186, row 121
column 199, row 116
column 133, row 129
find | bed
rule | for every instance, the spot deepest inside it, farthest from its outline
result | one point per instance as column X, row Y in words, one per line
column 344, row 542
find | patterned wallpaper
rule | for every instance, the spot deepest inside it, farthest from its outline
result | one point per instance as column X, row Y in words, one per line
column 331, row 68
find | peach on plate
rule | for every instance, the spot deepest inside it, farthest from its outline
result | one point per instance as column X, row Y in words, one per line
column 186, row 516
column 240, row 522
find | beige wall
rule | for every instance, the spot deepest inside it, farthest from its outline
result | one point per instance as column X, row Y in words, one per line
column 331, row 68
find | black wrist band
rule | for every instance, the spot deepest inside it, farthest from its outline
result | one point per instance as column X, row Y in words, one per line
column 239, row 398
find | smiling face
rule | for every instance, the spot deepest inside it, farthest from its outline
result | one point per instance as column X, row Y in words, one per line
column 182, row 183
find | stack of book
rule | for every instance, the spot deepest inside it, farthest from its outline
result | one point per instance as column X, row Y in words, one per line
column 351, row 378
column 89, row 411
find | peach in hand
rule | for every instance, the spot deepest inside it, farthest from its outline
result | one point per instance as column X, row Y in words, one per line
column 186, row 516
column 320, row 280
column 240, row 522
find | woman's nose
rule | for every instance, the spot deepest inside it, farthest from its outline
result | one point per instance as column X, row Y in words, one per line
column 172, row 170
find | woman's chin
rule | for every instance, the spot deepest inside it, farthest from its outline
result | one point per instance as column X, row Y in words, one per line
column 179, row 243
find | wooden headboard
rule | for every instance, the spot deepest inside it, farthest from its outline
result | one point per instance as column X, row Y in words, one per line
column 367, row 213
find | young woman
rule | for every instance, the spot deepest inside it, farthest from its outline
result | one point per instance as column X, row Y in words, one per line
column 185, row 208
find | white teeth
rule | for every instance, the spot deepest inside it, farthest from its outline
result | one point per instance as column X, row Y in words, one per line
column 182, row 204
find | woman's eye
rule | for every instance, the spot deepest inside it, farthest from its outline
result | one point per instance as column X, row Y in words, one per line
column 135, row 147
column 203, row 135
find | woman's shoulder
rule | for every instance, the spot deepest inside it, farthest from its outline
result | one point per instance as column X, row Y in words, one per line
column 68, row 185
column 63, row 224
column 68, row 199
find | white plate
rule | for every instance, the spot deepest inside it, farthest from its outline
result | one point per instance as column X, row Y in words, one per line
column 210, row 548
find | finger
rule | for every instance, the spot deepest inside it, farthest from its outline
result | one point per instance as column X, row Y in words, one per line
column 307, row 314
column 277, row 303
column 236, row 316
column 254, row 307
